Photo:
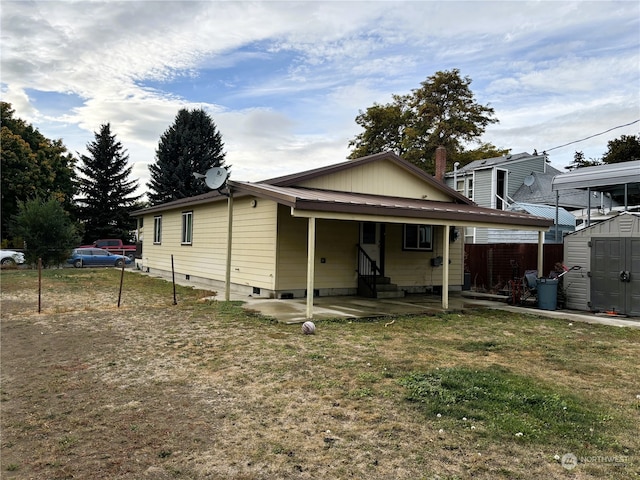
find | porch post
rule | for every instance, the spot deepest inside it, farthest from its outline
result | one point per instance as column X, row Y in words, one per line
column 311, row 255
column 227, row 278
column 540, row 253
column 445, row 267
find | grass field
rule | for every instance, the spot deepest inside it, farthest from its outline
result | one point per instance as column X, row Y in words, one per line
column 205, row 389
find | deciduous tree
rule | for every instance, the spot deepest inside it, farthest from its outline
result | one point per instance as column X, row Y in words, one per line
column 443, row 111
column 623, row 149
column 47, row 229
column 32, row 165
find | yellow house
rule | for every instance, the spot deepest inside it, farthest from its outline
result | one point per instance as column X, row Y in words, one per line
column 376, row 226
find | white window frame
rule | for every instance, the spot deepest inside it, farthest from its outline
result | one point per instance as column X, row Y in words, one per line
column 157, row 230
column 426, row 229
column 186, row 237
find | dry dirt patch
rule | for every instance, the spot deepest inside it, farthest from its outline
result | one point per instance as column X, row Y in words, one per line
column 204, row 390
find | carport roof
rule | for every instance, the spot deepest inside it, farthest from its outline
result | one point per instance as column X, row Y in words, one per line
column 604, row 177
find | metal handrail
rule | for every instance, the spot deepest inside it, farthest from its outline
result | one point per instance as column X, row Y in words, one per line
column 368, row 270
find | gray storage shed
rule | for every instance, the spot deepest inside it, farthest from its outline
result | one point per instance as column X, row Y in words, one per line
column 609, row 254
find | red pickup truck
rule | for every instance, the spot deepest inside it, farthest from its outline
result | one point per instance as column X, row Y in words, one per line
column 114, row 245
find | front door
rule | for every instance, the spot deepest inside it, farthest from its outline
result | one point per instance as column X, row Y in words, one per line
column 372, row 242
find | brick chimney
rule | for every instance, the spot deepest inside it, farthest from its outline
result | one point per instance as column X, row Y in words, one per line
column 441, row 163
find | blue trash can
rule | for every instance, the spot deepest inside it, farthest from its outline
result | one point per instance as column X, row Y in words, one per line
column 547, row 293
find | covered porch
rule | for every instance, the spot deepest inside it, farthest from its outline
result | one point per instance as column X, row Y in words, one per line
column 313, row 206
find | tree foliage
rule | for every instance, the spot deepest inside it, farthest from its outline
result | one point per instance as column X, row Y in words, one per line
column 107, row 195
column 579, row 161
column 47, row 229
column 191, row 145
column 32, row 165
column 443, row 111
column 623, row 149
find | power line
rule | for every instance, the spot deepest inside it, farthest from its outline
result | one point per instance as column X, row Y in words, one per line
column 591, row 136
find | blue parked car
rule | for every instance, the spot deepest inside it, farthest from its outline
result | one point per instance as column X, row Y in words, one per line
column 96, row 257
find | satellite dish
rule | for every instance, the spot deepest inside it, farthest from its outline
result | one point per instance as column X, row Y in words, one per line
column 215, row 177
column 529, row 180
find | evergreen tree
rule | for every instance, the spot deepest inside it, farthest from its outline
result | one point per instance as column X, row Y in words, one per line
column 579, row 161
column 32, row 165
column 191, row 145
column 107, row 194
column 443, row 111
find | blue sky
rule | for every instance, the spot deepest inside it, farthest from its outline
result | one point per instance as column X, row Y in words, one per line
column 284, row 81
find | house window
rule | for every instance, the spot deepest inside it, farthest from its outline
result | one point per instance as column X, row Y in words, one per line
column 470, row 189
column 157, row 230
column 187, row 227
column 418, row 237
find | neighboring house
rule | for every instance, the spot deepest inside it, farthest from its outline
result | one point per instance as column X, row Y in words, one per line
column 492, row 182
column 375, row 226
column 537, row 188
column 566, row 223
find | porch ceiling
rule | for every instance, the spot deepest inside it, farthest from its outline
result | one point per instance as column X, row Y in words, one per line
column 331, row 204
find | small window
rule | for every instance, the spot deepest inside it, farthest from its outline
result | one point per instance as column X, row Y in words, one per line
column 157, row 230
column 418, row 237
column 470, row 189
column 187, row 227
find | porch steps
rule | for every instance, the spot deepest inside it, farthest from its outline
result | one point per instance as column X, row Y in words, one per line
column 386, row 289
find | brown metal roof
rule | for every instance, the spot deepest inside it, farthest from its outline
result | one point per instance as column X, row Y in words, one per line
column 307, row 199
column 283, row 190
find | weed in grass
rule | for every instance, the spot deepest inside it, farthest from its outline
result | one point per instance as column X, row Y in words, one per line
column 67, row 442
column 361, row 393
column 12, row 467
column 483, row 346
column 509, row 406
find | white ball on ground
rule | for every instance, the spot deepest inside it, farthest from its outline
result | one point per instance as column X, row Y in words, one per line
column 308, row 328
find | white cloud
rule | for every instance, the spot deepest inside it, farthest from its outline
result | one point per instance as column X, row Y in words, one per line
column 285, row 80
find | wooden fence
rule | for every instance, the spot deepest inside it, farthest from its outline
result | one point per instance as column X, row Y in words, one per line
column 491, row 266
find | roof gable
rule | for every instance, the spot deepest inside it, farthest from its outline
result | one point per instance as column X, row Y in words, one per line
column 380, row 174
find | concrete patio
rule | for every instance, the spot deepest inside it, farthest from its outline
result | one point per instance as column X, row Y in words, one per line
column 347, row 307
column 292, row 311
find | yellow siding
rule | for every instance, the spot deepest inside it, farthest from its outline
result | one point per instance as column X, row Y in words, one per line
column 335, row 242
column 378, row 178
column 270, row 249
column 413, row 269
column 253, row 247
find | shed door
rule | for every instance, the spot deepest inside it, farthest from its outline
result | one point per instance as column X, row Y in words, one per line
column 633, row 287
column 610, row 291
